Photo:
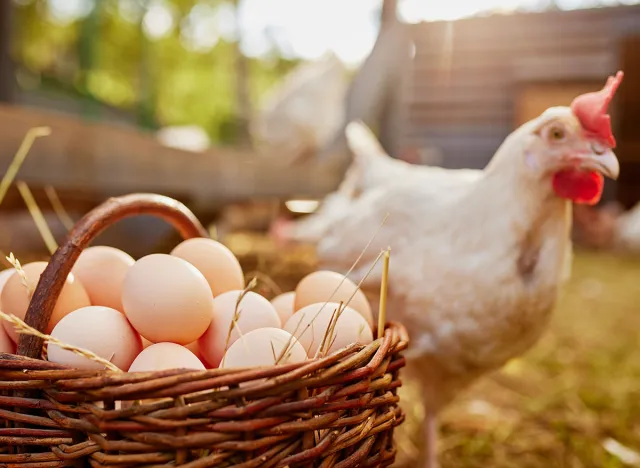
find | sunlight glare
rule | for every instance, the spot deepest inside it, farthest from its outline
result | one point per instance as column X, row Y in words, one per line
column 67, row 11
column 158, row 20
column 130, row 10
column 199, row 29
column 311, row 27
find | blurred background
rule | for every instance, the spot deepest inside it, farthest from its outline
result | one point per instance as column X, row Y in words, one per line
column 237, row 108
column 244, row 102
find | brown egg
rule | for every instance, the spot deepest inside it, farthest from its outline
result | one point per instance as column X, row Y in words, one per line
column 164, row 356
column 4, row 335
column 216, row 262
column 15, row 298
column 310, row 324
column 323, row 286
column 4, row 277
column 102, row 270
column 6, row 345
column 159, row 357
column 102, row 330
column 284, row 305
column 254, row 312
column 167, row 299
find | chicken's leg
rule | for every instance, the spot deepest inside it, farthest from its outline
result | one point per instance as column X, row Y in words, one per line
column 430, row 428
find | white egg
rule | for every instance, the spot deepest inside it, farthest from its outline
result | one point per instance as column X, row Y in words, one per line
column 101, row 330
column 164, row 356
column 253, row 312
column 284, row 305
column 310, row 325
column 264, row 347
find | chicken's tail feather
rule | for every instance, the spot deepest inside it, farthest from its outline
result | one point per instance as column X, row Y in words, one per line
column 363, row 143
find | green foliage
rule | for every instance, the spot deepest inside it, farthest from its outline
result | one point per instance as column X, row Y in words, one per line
column 106, row 57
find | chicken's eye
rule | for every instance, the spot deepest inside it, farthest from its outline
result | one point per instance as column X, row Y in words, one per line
column 557, row 133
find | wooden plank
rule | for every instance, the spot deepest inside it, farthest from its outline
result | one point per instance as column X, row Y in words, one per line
column 533, row 99
column 459, row 114
column 446, row 96
column 550, row 22
column 494, row 48
column 629, row 94
column 483, row 129
column 594, row 65
column 107, row 159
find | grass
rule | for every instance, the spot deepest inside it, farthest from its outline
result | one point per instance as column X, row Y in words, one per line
column 553, row 407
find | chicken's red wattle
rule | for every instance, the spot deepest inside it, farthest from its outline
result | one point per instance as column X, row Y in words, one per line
column 583, row 187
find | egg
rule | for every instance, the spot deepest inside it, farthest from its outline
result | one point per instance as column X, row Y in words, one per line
column 6, row 345
column 102, row 330
column 263, row 347
column 284, row 305
column 15, row 298
column 254, row 311
column 217, row 263
column 101, row 270
column 164, row 356
column 323, row 286
column 167, row 299
column 350, row 327
column 193, row 347
column 4, row 277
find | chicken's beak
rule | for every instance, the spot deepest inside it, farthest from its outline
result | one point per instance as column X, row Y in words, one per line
column 606, row 163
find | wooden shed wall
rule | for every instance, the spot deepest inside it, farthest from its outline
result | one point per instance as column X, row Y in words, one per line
column 466, row 74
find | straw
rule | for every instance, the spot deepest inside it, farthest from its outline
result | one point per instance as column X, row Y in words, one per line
column 58, row 207
column 20, row 156
column 37, row 216
column 384, row 287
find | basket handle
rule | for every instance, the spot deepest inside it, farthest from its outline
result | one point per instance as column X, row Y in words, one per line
column 93, row 223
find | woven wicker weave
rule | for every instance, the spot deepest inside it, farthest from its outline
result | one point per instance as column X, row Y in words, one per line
column 335, row 411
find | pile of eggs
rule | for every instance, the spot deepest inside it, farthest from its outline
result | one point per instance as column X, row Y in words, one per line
column 188, row 309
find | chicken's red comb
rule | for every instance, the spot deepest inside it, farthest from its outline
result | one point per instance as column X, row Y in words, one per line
column 591, row 110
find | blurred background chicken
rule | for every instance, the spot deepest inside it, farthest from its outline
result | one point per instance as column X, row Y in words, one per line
column 478, row 256
column 609, row 227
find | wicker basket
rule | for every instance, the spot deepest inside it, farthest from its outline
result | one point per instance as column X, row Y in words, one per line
column 335, row 411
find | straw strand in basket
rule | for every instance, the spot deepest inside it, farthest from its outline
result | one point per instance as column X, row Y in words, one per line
column 355, row 263
column 384, row 287
column 15, row 263
column 236, row 312
column 373, row 265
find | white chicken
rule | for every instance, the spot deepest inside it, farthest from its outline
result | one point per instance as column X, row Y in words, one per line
column 371, row 168
column 477, row 256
